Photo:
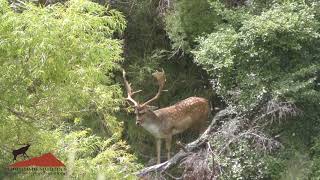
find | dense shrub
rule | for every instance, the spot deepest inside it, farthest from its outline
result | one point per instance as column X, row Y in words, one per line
column 57, row 89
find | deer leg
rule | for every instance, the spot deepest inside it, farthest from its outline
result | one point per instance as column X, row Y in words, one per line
column 158, row 149
column 168, row 146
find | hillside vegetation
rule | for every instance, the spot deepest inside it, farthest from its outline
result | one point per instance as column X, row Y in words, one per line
column 257, row 62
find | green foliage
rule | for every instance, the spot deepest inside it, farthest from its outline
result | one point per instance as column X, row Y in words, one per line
column 254, row 48
column 298, row 166
column 89, row 156
column 243, row 163
column 243, row 160
column 275, row 51
column 187, row 20
column 216, row 56
column 315, row 152
column 60, row 55
column 57, row 89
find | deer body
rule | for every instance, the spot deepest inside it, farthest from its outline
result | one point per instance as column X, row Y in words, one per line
column 166, row 122
column 191, row 112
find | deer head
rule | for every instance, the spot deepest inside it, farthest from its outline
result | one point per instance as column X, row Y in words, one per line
column 143, row 111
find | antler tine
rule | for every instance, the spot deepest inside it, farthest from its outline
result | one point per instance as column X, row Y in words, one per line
column 129, row 90
column 161, row 78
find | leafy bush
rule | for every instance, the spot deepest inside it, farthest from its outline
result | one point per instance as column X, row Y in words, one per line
column 187, row 20
column 57, row 90
column 245, row 162
column 88, row 156
column 275, row 51
column 258, row 48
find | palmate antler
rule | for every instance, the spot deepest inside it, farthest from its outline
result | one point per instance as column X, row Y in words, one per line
column 161, row 78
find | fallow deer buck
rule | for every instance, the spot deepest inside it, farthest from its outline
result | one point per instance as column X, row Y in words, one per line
column 166, row 122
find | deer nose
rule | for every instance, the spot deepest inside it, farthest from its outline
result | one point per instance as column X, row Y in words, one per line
column 138, row 123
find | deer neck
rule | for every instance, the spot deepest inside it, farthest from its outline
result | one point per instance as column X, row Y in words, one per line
column 152, row 124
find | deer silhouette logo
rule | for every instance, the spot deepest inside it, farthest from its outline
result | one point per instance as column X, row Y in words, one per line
column 21, row 151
